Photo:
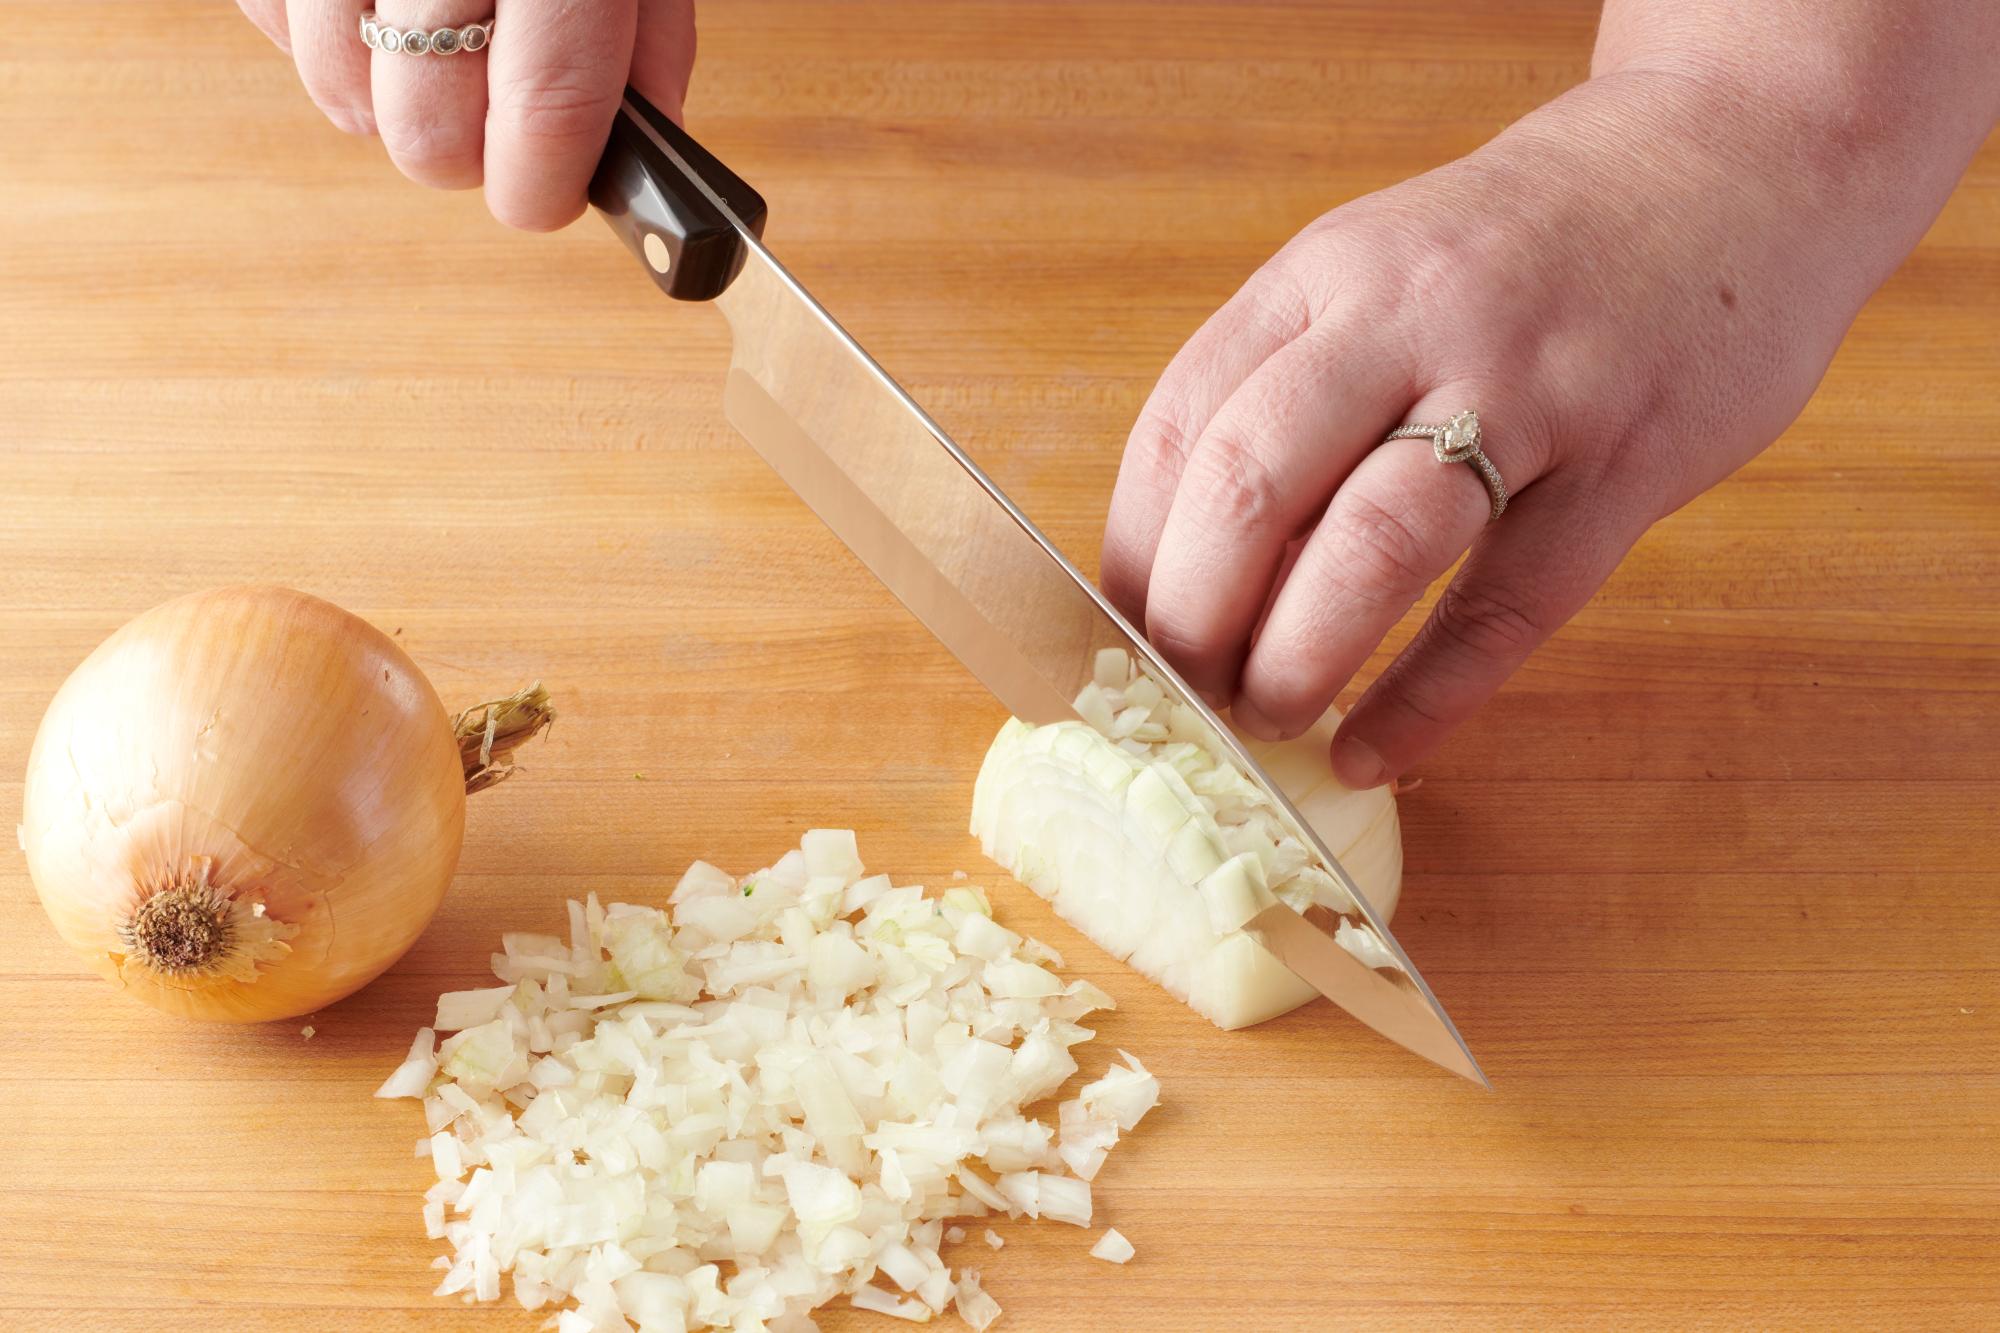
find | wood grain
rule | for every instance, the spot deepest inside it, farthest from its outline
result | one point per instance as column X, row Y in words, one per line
column 1714, row 888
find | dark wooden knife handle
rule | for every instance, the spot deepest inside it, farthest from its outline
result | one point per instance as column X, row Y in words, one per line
column 660, row 190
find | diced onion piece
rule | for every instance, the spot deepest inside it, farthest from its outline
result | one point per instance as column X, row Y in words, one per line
column 412, row 1078
column 1122, row 1095
column 881, row 1302
column 1364, row 944
column 975, row 1307
column 831, row 852
column 1112, row 1247
column 1065, row 1200
column 1022, row 1190
column 460, row 1009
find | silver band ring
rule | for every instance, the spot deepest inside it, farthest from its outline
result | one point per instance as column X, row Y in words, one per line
column 1457, row 441
column 379, row 36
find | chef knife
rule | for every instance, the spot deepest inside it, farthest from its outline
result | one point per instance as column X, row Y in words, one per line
column 933, row 527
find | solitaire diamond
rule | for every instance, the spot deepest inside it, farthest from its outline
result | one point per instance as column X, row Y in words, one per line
column 1459, row 440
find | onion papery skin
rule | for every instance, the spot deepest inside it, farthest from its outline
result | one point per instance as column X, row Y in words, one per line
column 278, row 748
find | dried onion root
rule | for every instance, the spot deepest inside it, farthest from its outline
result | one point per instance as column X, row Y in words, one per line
column 775, row 1098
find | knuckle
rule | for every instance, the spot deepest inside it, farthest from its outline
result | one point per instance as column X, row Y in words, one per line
column 1236, row 489
column 1284, row 297
column 1198, row 653
column 1490, row 620
column 1289, row 686
column 1157, row 445
column 1381, row 553
column 430, row 144
column 561, row 103
column 1422, row 704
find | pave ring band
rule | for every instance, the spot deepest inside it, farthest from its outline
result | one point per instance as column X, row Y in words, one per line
column 1457, row 441
column 379, row 36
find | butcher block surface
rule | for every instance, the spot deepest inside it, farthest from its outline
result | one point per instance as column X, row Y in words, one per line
column 1713, row 889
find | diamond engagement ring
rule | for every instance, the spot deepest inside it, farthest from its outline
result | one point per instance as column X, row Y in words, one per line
column 1457, row 441
column 379, row 36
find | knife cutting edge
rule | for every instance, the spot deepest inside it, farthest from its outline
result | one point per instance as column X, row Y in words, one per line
column 932, row 526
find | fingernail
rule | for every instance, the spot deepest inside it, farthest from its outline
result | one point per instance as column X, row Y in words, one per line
column 1357, row 765
column 1249, row 719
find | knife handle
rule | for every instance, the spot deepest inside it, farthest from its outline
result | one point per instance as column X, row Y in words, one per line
column 659, row 190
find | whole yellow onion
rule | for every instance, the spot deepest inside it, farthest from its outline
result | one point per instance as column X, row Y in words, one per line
column 247, row 803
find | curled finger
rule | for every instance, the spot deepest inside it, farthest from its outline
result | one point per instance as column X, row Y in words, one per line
column 1525, row 576
column 558, row 75
column 332, row 61
column 1265, row 465
column 1398, row 522
column 430, row 106
column 269, row 18
column 1267, row 314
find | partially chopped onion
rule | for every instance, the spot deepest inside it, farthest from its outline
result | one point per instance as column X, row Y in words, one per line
column 777, row 1097
column 1162, row 850
column 1112, row 1246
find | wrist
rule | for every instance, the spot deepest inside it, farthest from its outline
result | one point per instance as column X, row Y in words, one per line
column 1865, row 132
column 1760, row 178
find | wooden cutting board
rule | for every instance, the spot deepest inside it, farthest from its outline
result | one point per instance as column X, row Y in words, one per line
column 1713, row 889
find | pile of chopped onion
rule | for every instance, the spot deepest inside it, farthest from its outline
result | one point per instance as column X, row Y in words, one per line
column 774, row 1099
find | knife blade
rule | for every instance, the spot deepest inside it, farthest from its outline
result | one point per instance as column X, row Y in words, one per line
column 934, row 528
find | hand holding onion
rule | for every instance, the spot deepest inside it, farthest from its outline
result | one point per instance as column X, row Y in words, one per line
column 248, row 803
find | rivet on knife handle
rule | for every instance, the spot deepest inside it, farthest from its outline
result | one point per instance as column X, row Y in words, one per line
column 660, row 191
